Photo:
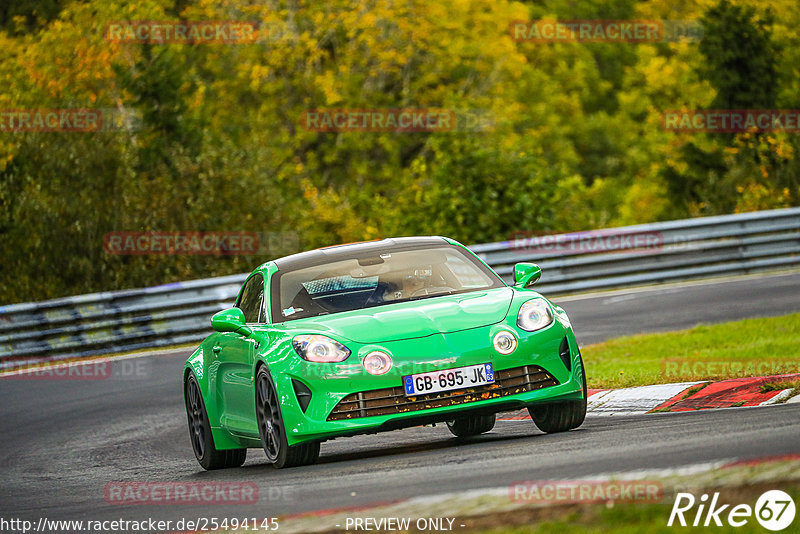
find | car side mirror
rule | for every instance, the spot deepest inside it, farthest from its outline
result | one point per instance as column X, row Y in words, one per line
column 230, row 320
column 526, row 274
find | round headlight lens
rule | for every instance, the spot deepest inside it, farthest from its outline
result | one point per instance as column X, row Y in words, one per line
column 320, row 349
column 377, row 363
column 534, row 315
column 504, row 342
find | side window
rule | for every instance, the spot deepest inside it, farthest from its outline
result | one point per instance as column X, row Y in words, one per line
column 251, row 301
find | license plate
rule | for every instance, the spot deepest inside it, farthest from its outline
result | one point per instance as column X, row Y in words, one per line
column 448, row 379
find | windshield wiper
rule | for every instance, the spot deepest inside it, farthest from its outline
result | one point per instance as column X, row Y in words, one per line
column 443, row 293
column 419, row 297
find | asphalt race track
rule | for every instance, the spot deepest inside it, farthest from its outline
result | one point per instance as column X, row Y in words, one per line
column 62, row 441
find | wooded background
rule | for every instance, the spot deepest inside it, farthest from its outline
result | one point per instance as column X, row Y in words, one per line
column 576, row 141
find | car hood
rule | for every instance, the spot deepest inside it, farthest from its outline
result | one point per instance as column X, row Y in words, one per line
column 406, row 320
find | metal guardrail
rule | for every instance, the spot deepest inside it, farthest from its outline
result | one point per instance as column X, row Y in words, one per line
column 689, row 248
column 178, row 313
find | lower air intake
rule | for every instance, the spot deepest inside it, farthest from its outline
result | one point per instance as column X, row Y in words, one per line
column 390, row 401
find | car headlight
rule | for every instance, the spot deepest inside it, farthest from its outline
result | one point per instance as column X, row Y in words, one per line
column 534, row 315
column 377, row 362
column 505, row 342
column 320, row 349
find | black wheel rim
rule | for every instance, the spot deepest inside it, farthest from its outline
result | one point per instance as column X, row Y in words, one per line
column 269, row 424
column 194, row 408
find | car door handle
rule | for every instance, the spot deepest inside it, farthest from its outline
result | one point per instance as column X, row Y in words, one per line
column 217, row 349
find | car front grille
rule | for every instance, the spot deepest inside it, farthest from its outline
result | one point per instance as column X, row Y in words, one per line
column 389, row 401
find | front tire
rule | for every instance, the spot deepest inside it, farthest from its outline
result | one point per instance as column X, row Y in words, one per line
column 561, row 416
column 472, row 425
column 272, row 431
column 200, row 433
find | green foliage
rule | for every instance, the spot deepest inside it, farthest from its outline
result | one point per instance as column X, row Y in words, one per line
column 28, row 14
column 740, row 57
column 721, row 173
column 573, row 139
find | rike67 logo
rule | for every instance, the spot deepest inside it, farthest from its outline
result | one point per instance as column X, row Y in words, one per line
column 774, row 510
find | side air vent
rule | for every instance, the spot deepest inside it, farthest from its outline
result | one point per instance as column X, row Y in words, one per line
column 303, row 394
column 563, row 352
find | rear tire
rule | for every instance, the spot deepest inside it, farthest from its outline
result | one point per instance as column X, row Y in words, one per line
column 561, row 416
column 272, row 431
column 472, row 425
column 200, row 433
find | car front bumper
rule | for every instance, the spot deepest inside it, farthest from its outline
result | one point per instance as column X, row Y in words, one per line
column 346, row 400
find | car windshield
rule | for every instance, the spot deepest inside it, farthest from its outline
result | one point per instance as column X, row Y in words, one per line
column 387, row 277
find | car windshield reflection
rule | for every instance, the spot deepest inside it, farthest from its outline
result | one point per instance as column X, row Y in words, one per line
column 390, row 277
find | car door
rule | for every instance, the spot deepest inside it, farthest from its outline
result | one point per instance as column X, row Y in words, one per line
column 235, row 354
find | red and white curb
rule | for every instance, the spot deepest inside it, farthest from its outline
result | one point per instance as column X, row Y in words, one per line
column 682, row 397
column 634, row 401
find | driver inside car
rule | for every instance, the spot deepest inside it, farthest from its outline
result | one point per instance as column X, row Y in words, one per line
column 414, row 282
column 402, row 285
column 409, row 283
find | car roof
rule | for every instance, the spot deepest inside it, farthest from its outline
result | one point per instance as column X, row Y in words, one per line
column 366, row 248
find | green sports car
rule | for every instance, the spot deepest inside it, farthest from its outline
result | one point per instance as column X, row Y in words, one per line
column 374, row 336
